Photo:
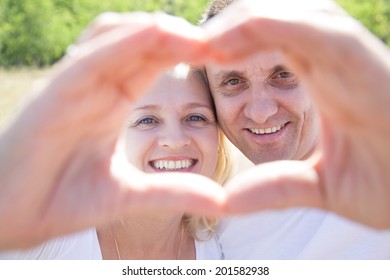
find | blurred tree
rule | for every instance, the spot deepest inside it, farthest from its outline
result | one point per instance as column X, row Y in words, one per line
column 190, row 10
column 29, row 33
column 374, row 14
column 37, row 32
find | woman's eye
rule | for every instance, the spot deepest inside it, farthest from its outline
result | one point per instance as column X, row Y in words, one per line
column 146, row 121
column 196, row 118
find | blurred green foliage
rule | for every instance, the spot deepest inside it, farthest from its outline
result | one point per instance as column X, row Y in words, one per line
column 37, row 32
column 375, row 14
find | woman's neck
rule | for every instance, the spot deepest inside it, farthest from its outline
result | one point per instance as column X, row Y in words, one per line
column 141, row 238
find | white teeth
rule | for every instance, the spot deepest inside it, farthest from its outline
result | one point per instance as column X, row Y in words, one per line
column 172, row 164
column 267, row 130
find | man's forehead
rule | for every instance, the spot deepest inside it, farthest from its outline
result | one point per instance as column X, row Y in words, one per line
column 259, row 64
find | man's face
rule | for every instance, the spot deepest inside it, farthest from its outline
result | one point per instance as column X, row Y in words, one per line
column 263, row 110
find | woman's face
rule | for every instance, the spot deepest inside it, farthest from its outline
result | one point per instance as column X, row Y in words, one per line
column 173, row 127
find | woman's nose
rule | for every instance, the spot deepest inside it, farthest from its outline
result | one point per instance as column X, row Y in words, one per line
column 174, row 136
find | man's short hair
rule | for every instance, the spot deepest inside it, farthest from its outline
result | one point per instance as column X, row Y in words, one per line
column 213, row 8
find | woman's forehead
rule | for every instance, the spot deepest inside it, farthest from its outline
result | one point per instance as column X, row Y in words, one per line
column 172, row 89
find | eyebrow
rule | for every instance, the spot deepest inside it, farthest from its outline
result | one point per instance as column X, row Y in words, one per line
column 197, row 104
column 147, row 107
column 223, row 75
column 187, row 106
column 279, row 68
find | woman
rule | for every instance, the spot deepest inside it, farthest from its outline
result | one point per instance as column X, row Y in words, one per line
column 172, row 128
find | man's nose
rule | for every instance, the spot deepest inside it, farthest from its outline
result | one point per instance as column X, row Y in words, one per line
column 260, row 107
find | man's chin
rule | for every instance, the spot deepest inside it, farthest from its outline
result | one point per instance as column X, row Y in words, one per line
column 263, row 157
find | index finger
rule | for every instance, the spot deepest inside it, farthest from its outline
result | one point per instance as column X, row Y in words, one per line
column 139, row 39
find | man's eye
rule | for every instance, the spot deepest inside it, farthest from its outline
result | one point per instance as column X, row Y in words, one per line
column 285, row 75
column 284, row 80
column 232, row 82
column 231, row 86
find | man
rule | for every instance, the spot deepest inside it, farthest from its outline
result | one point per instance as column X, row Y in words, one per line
column 266, row 112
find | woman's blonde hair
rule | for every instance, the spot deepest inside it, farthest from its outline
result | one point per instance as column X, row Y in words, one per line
column 221, row 174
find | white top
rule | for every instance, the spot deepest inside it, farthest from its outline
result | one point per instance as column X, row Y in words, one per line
column 289, row 234
column 85, row 246
column 300, row 234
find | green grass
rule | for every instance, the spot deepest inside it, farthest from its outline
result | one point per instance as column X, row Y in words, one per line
column 14, row 87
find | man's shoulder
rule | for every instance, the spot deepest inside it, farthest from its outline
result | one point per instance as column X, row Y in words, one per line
column 268, row 219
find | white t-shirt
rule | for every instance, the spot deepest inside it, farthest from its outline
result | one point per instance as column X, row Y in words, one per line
column 85, row 246
column 300, row 233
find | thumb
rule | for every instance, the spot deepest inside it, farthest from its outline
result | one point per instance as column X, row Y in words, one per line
column 172, row 191
column 275, row 185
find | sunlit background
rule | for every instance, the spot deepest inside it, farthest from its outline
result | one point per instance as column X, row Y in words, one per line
column 34, row 34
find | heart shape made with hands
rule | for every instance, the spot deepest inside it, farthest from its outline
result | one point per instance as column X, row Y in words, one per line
column 77, row 117
column 309, row 38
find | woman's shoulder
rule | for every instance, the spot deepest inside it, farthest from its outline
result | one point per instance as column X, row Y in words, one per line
column 82, row 245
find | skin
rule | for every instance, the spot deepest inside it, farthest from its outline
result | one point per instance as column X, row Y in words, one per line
column 174, row 121
column 263, row 109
